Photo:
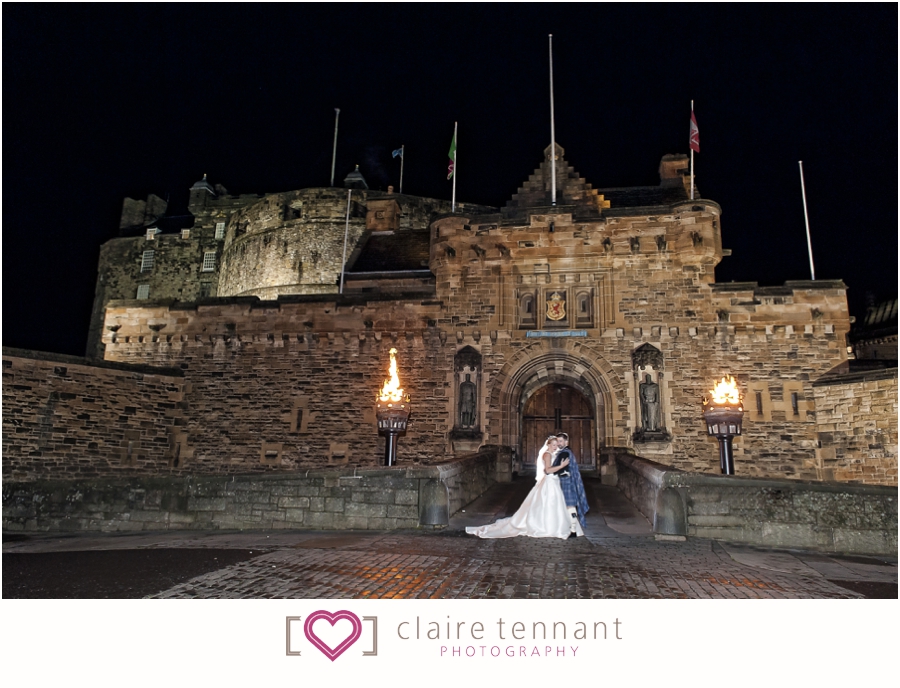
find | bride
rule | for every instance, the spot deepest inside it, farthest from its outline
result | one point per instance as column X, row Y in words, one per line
column 544, row 512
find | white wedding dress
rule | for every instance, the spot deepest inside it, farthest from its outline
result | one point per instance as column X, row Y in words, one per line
column 542, row 514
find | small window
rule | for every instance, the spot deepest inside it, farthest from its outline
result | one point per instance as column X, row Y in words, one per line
column 759, row 405
column 220, row 230
column 151, row 233
column 143, row 291
column 209, row 261
column 185, row 234
column 205, row 289
column 147, row 261
column 795, row 403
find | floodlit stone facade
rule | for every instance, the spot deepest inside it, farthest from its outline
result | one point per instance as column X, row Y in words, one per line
column 599, row 315
column 68, row 418
column 856, row 414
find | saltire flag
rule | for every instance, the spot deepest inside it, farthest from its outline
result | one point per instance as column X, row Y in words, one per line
column 452, row 154
column 695, row 134
column 397, row 153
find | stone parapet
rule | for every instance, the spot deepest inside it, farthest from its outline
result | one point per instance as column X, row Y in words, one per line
column 66, row 417
column 856, row 420
column 321, row 499
column 831, row 517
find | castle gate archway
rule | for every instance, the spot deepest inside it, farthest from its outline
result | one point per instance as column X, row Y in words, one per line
column 593, row 392
column 559, row 407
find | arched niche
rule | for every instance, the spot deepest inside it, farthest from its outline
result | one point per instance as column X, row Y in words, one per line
column 466, row 434
column 650, row 394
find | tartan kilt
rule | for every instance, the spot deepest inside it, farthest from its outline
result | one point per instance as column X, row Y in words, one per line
column 573, row 490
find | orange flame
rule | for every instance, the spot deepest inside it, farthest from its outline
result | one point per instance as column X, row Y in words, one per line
column 726, row 392
column 391, row 390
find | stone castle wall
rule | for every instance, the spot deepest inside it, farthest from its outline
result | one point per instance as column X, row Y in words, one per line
column 771, row 513
column 323, row 499
column 282, row 243
column 292, row 385
column 69, row 418
column 293, row 243
column 646, row 279
column 297, row 378
column 856, row 419
column 290, row 243
column 288, row 384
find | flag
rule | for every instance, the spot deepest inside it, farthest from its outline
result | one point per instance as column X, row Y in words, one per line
column 397, row 153
column 452, row 154
column 695, row 134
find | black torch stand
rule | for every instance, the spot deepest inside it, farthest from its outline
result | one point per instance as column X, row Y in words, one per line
column 390, row 448
column 723, row 423
column 392, row 419
column 726, row 454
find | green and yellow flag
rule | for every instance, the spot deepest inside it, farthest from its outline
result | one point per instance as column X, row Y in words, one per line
column 452, row 154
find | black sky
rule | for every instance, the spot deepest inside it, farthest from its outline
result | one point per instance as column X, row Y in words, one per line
column 103, row 102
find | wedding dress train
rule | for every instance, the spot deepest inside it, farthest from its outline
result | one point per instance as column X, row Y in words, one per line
column 542, row 514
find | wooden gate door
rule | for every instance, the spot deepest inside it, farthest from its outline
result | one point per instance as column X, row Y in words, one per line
column 555, row 408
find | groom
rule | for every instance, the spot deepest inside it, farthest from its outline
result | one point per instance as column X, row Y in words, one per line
column 571, row 483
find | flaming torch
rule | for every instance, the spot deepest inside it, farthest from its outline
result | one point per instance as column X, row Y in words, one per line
column 723, row 412
column 392, row 412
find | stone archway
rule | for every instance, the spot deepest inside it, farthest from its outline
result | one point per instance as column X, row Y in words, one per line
column 546, row 363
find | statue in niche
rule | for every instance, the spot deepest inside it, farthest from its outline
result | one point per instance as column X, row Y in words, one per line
column 649, row 394
column 467, row 403
column 466, row 435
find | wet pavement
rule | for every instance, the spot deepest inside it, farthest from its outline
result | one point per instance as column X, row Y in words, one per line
column 618, row 558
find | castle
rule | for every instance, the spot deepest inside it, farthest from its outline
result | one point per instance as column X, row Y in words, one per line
column 256, row 339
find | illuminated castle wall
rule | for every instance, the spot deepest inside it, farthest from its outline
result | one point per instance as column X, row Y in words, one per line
column 508, row 322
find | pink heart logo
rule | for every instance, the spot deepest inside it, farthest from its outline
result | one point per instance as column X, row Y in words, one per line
column 332, row 618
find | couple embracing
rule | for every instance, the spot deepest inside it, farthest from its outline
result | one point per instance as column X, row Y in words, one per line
column 556, row 505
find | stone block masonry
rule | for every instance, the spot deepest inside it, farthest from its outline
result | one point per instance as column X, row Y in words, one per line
column 281, row 243
column 830, row 517
column 299, row 373
column 589, row 296
column 295, row 380
column 71, row 418
column 328, row 499
column 856, row 418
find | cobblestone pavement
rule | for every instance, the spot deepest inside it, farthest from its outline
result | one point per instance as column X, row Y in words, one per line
column 618, row 558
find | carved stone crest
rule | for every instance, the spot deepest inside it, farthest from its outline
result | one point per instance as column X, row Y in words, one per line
column 556, row 306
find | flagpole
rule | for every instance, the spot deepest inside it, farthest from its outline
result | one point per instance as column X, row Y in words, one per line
column 812, row 268
column 402, row 158
column 453, row 204
column 337, row 113
column 692, row 156
column 346, row 235
column 552, row 132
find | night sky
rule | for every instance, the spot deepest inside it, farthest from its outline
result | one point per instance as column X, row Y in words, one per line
column 103, row 102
